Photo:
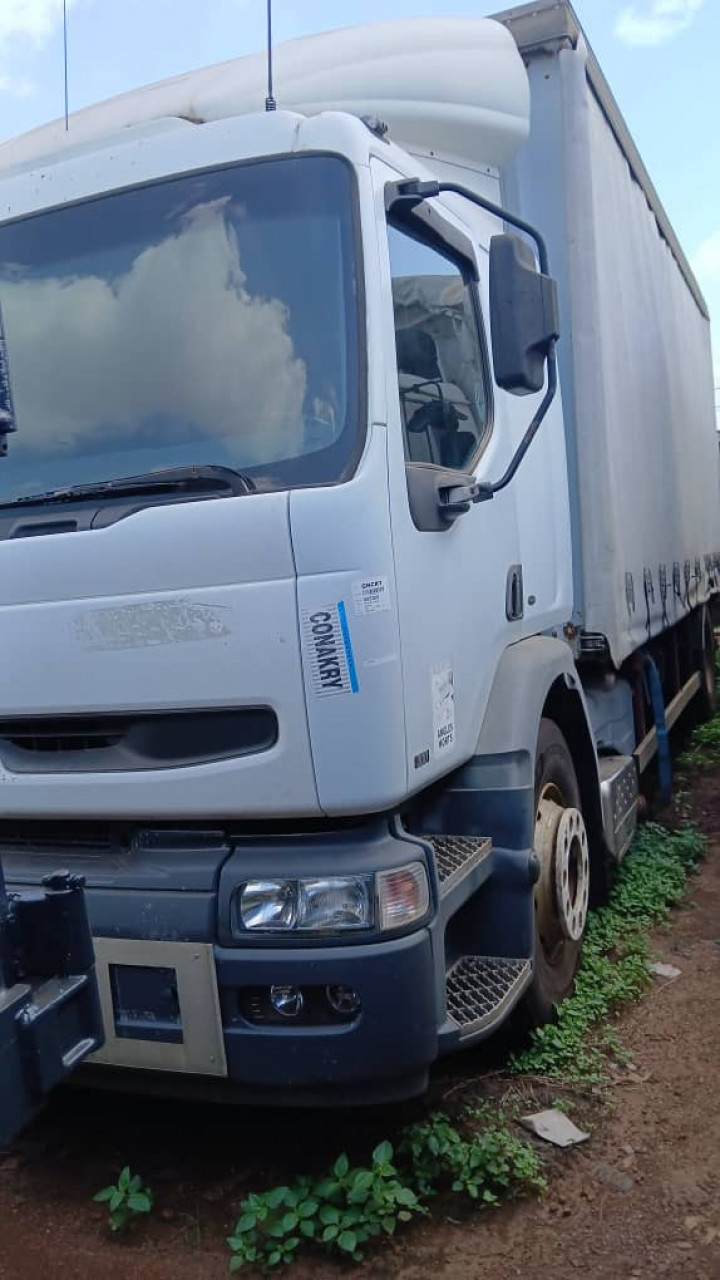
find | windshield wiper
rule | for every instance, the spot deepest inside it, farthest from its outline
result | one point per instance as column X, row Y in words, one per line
column 195, row 480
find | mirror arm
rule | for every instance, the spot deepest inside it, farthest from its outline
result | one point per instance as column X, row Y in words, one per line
column 413, row 191
column 527, row 439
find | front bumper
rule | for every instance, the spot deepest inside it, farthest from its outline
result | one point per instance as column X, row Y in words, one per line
column 173, row 974
column 394, row 1035
column 176, row 980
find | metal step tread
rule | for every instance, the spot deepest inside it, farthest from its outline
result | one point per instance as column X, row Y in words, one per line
column 455, row 856
column 479, row 987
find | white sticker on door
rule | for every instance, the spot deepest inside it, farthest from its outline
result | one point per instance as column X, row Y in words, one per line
column 371, row 595
column 329, row 647
column 442, row 688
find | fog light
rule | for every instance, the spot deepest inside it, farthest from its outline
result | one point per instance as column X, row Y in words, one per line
column 403, row 896
column 344, row 1000
column 287, row 1001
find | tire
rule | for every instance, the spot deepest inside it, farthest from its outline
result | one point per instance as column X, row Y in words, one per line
column 556, row 957
column 705, row 703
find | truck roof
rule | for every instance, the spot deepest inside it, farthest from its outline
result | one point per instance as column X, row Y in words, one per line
column 457, row 84
column 544, row 27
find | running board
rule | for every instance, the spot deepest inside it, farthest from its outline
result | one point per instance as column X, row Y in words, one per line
column 456, row 857
column 647, row 748
column 480, row 989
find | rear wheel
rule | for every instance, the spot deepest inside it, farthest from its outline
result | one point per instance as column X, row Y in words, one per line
column 705, row 702
column 562, row 892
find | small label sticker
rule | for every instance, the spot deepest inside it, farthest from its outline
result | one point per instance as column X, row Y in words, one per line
column 327, row 640
column 371, row 595
column 422, row 758
column 442, row 688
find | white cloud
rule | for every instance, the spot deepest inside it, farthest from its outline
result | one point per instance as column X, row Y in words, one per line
column 189, row 342
column 17, row 86
column 706, row 262
column 23, row 23
column 34, row 20
column 655, row 21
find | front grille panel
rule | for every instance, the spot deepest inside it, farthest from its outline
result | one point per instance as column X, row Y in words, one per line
column 134, row 741
column 35, row 736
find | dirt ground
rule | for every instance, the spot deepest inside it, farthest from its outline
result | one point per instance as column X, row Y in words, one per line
column 640, row 1200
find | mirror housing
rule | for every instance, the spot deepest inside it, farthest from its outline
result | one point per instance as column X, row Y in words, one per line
column 524, row 316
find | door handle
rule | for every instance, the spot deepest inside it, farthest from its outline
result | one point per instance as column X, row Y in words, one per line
column 514, row 599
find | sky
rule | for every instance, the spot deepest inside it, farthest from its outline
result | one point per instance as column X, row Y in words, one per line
column 660, row 57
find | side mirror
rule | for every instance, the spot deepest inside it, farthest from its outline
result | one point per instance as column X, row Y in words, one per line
column 523, row 313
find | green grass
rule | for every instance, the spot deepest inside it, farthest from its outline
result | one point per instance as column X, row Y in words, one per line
column 350, row 1208
column 703, row 749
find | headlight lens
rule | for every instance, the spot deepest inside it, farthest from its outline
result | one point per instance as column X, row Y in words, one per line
column 268, row 904
column 330, row 904
column 340, row 903
column 335, row 904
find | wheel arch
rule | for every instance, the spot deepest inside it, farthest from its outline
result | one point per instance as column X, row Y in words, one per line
column 537, row 678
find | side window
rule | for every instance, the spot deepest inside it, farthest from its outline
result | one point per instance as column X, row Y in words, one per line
column 441, row 363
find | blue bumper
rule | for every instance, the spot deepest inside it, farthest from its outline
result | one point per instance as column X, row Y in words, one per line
column 178, row 888
column 394, row 1037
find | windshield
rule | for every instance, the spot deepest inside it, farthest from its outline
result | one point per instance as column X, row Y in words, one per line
column 207, row 320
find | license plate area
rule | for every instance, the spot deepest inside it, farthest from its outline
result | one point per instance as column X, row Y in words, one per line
column 160, row 1006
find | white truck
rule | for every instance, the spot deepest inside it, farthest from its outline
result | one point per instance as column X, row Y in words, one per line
column 338, row 635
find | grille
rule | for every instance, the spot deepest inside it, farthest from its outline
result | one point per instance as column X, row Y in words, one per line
column 134, row 741
column 478, row 986
column 58, row 737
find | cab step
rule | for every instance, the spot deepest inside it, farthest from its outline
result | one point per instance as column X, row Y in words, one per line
column 480, row 988
column 456, row 856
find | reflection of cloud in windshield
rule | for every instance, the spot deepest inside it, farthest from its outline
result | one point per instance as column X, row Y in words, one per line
column 178, row 335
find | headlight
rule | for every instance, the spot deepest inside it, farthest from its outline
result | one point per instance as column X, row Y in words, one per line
column 340, row 903
column 268, row 904
column 330, row 904
column 335, row 904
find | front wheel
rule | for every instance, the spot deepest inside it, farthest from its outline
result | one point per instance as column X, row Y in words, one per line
column 562, row 893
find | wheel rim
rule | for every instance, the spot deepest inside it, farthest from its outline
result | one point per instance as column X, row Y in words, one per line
column 709, row 663
column 562, row 893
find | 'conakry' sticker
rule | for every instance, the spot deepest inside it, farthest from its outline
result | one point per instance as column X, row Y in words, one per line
column 327, row 641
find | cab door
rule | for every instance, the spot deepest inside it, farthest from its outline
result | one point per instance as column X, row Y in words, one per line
column 458, row 581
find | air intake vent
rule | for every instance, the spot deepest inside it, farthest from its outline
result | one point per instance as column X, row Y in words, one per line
column 120, row 743
column 60, row 736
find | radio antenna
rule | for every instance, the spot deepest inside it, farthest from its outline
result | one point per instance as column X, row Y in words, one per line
column 270, row 103
column 65, row 63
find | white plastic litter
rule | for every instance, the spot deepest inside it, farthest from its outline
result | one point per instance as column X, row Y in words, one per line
column 664, row 970
column 554, row 1127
